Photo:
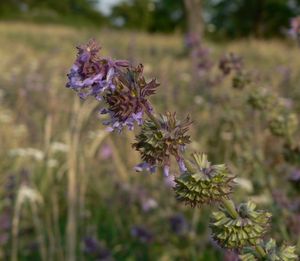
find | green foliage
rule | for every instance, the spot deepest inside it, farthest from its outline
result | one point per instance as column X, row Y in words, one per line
column 149, row 15
column 64, row 11
column 243, row 17
column 223, row 18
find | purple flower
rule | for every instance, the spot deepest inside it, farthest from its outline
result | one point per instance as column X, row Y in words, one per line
column 127, row 104
column 106, row 152
column 179, row 224
column 148, row 204
column 170, row 181
column 181, row 165
column 166, row 170
column 294, row 178
column 96, row 249
column 115, row 123
column 91, row 75
column 144, row 166
column 295, row 27
column 122, row 87
column 142, row 234
column 230, row 62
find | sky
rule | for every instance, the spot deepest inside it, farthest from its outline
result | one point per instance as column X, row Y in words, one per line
column 105, row 5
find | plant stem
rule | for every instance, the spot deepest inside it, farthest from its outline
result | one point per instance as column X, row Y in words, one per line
column 229, row 205
column 152, row 117
column 260, row 251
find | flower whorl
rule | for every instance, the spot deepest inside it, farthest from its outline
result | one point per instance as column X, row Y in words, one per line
column 158, row 143
column 122, row 86
column 202, row 182
column 236, row 232
column 127, row 103
column 92, row 74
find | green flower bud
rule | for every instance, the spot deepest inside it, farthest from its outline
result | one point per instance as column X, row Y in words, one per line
column 247, row 229
column 202, row 182
column 273, row 253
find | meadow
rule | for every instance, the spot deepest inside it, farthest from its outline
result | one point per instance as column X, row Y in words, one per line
column 65, row 181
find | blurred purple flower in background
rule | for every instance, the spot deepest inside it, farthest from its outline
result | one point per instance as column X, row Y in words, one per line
column 96, row 249
column 142, row 234
column 295, row 27
column 230, row 62
column 105, row 152
column 178, row 224
column 294, row 178
column 199, row 53
column 148, row 204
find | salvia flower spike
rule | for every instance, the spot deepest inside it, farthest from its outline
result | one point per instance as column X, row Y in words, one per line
column 124, row 92
column 122, row 86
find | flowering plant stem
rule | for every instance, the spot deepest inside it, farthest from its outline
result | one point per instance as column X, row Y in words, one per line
column 125, row 93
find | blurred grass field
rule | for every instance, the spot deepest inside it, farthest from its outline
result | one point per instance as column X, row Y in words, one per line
column 64, row 178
